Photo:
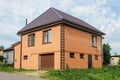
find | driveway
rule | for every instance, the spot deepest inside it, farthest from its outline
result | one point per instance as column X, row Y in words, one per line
column 9, row 76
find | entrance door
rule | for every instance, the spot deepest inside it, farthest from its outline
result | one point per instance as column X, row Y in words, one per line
column 89, row 61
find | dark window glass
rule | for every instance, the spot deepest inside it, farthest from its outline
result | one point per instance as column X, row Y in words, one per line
column 31, row 40
column 25, row 57
column 72, row 55
column 96, row 57
column 47, row 36
column 82, row 56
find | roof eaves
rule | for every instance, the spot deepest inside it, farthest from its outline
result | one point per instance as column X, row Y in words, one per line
column 16, row 43
column 41, row 26
column 84, row 27
column 8, row 49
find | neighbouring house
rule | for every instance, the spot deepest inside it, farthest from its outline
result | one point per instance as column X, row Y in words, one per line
column 8, row 55
column 114, row 60
column 1, row 52
column 56, row 40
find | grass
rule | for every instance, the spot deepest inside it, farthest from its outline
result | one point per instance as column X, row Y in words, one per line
column 105, row 73
column 10, row 69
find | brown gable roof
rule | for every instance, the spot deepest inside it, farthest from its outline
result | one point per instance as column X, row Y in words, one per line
column 53, row 15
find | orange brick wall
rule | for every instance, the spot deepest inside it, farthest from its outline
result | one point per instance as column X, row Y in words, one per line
column 17, row 56
column 76, row 62
column 78, row 41
column 40, row 48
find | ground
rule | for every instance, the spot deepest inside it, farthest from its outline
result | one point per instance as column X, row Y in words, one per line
column 105, row 73
column 32, row 73
column 9, row 76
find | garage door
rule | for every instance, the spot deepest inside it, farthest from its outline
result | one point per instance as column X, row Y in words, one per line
column 47, row 61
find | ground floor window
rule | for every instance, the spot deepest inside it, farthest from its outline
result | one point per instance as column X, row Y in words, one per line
column 25, row 57
column 72, row 55
column 82, row 56
column 96, row 57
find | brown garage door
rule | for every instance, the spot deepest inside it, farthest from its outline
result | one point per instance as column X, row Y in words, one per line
column 47, row 61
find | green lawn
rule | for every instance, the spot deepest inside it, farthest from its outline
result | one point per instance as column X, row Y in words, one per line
column 105, row 73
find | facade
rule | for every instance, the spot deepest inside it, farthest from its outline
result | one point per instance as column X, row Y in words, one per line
column 56, row 40
column 114, row 60
column 1, row 53
column 17, row 54
column 8, row 55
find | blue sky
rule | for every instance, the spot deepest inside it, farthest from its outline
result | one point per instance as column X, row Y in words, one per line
column 102, row 14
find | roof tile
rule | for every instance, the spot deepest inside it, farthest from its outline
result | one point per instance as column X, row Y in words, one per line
column 52, row 15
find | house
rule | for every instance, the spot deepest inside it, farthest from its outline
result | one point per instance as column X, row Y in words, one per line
column 1, row 53
column 56, row 40
column 8, row 55
column 114, row 60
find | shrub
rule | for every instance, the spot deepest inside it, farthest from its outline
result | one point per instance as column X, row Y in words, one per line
column 1, row 58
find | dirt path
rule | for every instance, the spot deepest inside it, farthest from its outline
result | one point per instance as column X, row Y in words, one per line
column 33, row 73
column 10, row 76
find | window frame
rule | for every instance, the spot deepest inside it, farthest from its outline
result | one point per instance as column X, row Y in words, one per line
column 72, row 55
column 82, row 56
column 96, row 57
column 44, row 33
column 94, row 43
column 25, row 57
column 32, row 41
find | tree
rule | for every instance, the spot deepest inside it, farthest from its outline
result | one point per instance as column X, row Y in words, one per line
column 119, row 61
column 1, row 47
column 106, row 53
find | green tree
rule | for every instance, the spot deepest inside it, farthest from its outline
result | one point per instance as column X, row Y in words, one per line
column 106, row 53
column 119, row 61
column 1, row 47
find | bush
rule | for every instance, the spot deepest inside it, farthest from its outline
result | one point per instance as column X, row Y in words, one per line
column 1, row 58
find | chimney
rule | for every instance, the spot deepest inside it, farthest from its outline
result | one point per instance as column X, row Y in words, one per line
column 26, row 22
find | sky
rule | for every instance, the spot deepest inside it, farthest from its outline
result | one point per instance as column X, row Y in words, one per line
column 102, row 14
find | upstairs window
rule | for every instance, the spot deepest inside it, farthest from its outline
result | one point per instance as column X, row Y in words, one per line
column 72, row 55
column 94, row 41
column 47, row 36
column 82, row 56
column 31, row 40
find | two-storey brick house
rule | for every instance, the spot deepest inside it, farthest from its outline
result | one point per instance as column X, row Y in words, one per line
column 56, row 40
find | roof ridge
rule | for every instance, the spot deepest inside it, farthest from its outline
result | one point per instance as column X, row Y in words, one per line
column 52, row 15
column 57, row 12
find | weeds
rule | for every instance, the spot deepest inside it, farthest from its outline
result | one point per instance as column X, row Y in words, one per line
column 9, row 68
column 105, row 73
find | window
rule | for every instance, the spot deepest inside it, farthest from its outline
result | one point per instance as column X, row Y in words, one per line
column 94, row 41
column 82, row 56
column 96, row 57
column 31, row 40
column 25, row 57
column 72, row 55
column 47, row 36
column 112, row 58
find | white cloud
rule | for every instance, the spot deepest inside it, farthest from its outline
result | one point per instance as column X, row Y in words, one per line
column 96, row 12
column 13, row 14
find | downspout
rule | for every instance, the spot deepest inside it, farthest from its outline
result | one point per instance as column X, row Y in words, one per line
column 102, row 50
column 21, row 53
column 26, row 21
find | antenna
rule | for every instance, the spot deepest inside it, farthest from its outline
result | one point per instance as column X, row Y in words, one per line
column 26, row 22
